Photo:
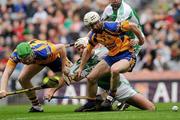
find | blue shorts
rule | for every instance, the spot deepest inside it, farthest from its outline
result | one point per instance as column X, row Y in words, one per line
column 56, row 65
column 110, row 60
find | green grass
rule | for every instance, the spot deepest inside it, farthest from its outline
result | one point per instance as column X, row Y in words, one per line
column 60, row 112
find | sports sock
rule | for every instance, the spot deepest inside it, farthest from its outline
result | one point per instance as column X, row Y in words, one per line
column 34, row 101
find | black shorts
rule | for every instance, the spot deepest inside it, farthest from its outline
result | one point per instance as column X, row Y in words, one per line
column 56, row 65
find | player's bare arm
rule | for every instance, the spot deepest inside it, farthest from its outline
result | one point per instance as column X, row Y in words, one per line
column 85, row 56
column 62, row 50
column 134, row 28
column 5, row 78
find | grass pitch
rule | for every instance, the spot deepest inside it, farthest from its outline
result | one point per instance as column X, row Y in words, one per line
column 65, row 112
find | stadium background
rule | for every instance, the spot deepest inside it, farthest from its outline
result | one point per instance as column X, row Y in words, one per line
column 157, row 73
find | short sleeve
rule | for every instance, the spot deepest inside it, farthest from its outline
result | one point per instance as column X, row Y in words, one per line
column 14, row 57
column 125, row 26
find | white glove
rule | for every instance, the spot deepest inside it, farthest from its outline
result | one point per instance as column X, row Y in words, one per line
column 81, row 42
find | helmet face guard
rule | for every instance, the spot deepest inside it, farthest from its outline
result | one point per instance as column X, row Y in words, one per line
column 28, row 60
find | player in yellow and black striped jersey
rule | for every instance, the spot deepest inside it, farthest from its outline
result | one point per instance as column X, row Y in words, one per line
column 43, row 52
column 120, row 59
column 35, row 55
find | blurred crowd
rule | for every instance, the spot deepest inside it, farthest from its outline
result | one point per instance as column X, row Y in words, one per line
column 61, row 21
column 161, row 26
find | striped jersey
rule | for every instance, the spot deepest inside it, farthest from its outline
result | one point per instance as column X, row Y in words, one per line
column 113, row 37
column 44, row 52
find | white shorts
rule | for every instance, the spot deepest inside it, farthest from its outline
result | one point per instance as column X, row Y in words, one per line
column 124, row 92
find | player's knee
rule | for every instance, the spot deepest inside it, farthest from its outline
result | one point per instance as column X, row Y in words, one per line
column 22, row 80
column 115, row 70
column 151, row 107
column 91, row 80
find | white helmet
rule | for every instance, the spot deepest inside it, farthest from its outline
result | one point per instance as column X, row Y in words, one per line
column 91, row 17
